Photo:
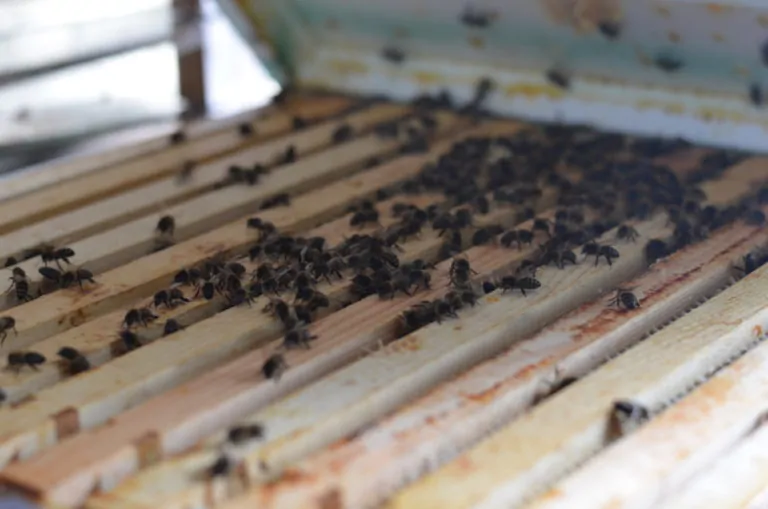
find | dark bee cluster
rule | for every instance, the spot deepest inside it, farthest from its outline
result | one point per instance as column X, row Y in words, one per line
column 54, row 278
column 600, row 182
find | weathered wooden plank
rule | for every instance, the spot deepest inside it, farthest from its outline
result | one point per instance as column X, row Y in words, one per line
column 736, row 480
column 95, row 339
column 191, row 411
column 61, row 310
column 364, row 470
column 158, row 197
column 79, row 191
column 533, row 451
column 102, row 393
column 688, row 437
column 352, row 398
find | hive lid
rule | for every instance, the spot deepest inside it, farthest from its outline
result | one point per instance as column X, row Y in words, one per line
column 675, row 67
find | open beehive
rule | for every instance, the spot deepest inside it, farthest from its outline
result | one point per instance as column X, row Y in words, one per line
column 529, row 386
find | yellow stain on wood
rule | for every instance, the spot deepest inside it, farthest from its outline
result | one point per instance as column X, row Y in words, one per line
column 710, row 114
column 427, row 78
column 476, row 42
column 533, row 91
column 348, row 67
column 717, row 37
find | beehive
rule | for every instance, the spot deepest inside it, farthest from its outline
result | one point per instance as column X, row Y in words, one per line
column 510, row 401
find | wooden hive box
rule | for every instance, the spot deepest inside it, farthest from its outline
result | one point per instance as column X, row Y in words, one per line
column 518, row 381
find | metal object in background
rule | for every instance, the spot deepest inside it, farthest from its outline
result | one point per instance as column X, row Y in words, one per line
column 677, row 67
column 61, row 107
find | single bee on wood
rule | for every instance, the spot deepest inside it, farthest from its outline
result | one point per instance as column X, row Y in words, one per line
column 166, row 226
column 626, row 416
column 610, row 29
column 626, row 232
column 75, row 361
column 178, row 137
column 668, row 63
column 393, row 55
column 139, row 316
column 298, row 338
column 625, row 299
column 342, row 133
column 50, row 254
column 274, row 367
column 221, row 467
column 7, row 323
column 17, row 360
column 473, row 17
column 245, row 129
column 245, row 433
column 130, row 340
column 171, row 326
column 20, row 283
column 558, row 78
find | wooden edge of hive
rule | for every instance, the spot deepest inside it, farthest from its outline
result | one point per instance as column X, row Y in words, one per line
column 156, row 197
column 715, row 331
column 683, row 439
column 736, row 480
column 78, row 191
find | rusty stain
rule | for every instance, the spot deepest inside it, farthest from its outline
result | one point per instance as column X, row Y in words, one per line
column 717, row 37
column 464, row 463
column 331, row 499
column 757, row 331
column 476, row 42
column 148, row 449
column 552, row 494
column 533, row 91
column 673, row 37
column 492, row 299
column 67, row 422
column 718, row 8
column 457, row 327
column 484, row 396
column 77, row 318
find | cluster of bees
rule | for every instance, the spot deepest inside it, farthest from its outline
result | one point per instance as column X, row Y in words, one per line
column 599, row 193
column 53, row 278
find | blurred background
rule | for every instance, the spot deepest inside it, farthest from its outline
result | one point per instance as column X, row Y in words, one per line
column 81, row 74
